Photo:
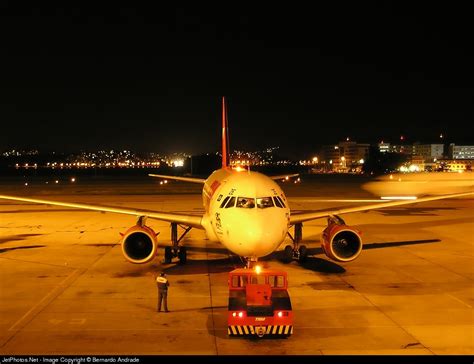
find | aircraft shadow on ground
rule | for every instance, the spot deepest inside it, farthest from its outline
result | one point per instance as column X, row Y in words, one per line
column 322, row 266
column 10, row 238
column 3, row 250
column 201, row 266
column 417, row 224
column 414, row 211
column 213, row 250
column 399, row 243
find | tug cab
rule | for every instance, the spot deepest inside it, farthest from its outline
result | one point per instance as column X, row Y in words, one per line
column 259, row 303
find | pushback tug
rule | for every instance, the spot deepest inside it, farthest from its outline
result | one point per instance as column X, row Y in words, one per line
column 259, row 303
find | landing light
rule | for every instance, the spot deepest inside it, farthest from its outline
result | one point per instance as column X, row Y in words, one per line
column 73, row 179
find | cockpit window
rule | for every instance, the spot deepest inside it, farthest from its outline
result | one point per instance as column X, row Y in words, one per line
column 264, row 202
column 281, row 200
column 246, row 202
column 278, row 202
column 224, row 202
column 231, row 203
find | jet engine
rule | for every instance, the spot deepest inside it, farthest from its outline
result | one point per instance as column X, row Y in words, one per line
column 139, row 244
column 340, row 242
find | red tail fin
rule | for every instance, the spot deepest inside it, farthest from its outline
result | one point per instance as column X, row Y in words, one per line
column 225, row 137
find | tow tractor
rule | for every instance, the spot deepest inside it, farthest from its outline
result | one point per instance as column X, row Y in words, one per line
column 259, row 304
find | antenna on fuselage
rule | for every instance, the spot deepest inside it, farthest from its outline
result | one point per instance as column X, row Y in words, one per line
column 225, row 136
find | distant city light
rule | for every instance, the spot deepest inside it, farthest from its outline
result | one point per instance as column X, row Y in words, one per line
column 178, row 163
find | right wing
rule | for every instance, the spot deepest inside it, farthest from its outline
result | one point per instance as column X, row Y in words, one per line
column 189, row 220
column 186, row 179
column 301, row 217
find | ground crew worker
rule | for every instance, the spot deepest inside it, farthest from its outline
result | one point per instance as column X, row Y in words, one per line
column 162, row 284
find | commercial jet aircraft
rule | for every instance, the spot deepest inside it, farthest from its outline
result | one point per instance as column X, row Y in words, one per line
column 246, row 211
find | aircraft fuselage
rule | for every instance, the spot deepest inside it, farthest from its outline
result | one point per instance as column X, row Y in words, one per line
column 245, row 211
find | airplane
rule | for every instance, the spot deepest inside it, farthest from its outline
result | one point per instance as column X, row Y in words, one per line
column 246, row 211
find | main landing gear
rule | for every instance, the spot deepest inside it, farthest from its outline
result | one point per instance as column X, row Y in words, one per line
column 297, row 251
column 176, row 250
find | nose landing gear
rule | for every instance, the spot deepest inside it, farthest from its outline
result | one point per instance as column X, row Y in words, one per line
column 249, row 262
column 297, row 251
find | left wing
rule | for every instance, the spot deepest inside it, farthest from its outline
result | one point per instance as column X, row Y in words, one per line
column 189, row 220
column 297, row 218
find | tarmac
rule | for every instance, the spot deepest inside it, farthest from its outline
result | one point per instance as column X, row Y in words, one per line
column 65, row 287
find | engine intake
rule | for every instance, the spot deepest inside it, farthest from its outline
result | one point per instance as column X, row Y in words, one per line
column 340, row 242
column 139, row 244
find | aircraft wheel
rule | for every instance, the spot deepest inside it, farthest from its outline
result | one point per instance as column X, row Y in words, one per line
column 303, row 253
column 168, row 255
column 182, row 255
column 288, row 254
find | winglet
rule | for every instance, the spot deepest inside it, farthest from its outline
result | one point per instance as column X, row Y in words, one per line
column 225, row 136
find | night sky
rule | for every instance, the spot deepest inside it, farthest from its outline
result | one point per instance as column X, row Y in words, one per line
column 150, row 79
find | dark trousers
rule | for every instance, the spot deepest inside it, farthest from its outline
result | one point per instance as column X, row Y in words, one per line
column 163, row 297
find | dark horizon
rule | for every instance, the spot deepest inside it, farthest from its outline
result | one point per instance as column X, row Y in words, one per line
column 150, row 79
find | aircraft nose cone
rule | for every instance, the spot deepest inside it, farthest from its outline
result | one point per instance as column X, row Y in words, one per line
column 256, row 237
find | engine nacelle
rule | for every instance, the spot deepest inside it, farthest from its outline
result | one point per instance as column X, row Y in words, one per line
column 139, row 244
column 340, row 242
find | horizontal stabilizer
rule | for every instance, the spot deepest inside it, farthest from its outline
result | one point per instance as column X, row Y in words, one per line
column 284, row 176
column 186, row 179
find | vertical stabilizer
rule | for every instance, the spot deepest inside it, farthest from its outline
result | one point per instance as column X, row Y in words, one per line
column 225, row 137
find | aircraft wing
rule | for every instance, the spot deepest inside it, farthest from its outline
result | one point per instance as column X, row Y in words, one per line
column 186, row 179
column 301, row 217
column 189, row 220
column 283, row 176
